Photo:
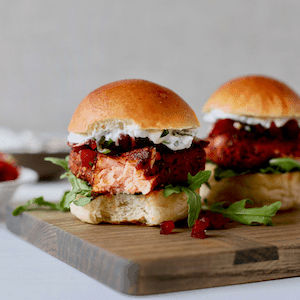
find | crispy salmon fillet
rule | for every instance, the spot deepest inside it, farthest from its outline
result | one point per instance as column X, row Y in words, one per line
column 140, row 170
column 241, row 150
column 132, row 172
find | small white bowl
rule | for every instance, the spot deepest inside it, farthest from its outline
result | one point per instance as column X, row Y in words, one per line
column 8, row 188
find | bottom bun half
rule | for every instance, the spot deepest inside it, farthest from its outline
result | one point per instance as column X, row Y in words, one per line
column 262, row 189
column 150, row 209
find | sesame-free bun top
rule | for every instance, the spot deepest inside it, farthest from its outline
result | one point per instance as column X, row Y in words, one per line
column 255, row 96
column 132, row 102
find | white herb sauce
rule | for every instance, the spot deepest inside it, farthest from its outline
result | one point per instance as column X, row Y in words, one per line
column 175, row 139
column 215, row 115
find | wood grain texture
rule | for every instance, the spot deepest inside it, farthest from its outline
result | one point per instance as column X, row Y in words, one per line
column 138, row 260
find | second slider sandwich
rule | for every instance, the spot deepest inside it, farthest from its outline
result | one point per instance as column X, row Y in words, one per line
column 129, row 140
column 254, row 142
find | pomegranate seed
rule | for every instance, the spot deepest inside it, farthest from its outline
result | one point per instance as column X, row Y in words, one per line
column 87, row 157
column 166, row 227
column 93, row 144
column 158, row 156
column 274, row 131
column 201, row 224
column 290, row 129
column 216, row 220
column 198, row 230
column 205, row 222
column 77, row 149
column 223, row 126
column 199, row 235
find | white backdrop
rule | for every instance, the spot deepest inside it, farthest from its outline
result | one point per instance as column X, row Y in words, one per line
column 53, row 53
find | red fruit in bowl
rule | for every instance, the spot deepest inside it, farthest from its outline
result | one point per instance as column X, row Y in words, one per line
column 8, row 168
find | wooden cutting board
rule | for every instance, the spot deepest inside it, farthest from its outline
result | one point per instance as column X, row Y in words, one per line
column 138, row 260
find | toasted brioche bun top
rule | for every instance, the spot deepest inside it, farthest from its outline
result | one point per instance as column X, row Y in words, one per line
column 133, row 102
column 255, row 96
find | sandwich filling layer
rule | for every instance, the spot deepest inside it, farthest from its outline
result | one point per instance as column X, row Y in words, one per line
column 239, row 146
column 134, row 165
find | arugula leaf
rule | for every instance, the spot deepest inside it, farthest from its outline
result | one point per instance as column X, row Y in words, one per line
column 220, row 173
column 67, row 199
column 108, row 143
column 38, row 201
column 164, row 133
column 59, row 161
column 236, row 211
column 79, row 187
column 269, row 169
column 102, row 145
column 82, row 201
column 194, row 203
column 170, row 189
column 275, row 166
column 77, row 184
column 80, row 194
column 196, row 181
column 104, row 151
column 194, row 199
column 285, row 164
column 248, row 216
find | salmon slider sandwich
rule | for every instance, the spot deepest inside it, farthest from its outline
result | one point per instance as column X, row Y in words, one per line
column 130, row 140
column 254, row 142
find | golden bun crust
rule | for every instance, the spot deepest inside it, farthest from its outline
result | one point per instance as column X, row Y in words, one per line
column 255, row 95
column 134, row 102
column 150, row 209
column 262, row 189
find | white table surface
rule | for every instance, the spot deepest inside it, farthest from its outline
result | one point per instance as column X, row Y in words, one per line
column 26, row 272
